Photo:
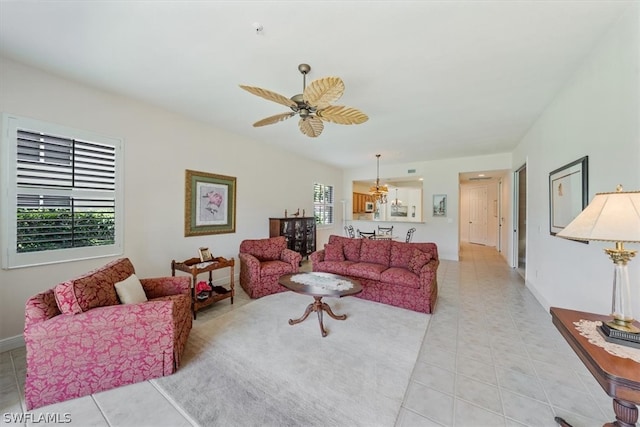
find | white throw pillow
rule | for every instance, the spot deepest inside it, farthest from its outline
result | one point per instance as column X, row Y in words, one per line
column 130, row 291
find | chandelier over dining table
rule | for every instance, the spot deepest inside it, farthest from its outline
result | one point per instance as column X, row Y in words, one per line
column 379, row 192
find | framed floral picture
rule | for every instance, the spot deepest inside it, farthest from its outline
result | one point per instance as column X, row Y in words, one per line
column 210, row 204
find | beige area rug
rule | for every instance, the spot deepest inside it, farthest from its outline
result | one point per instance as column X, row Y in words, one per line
column 249, row 367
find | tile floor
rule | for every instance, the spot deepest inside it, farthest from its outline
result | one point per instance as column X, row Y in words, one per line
column 490, row 357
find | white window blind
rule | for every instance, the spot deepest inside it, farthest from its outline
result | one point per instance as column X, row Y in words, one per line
column 323, row 203
column 63, row 194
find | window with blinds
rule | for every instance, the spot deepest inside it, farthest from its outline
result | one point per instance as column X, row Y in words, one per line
column 64, row 190
column 323, row 203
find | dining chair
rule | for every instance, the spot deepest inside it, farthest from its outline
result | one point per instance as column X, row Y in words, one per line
column 385, row 230
column 366, row 234
column 410, row 234
column 348, row 229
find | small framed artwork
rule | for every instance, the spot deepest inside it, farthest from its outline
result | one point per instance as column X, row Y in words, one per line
column 205, row 254
column 368, row 206
column 210, row 204
column 568, row 193
column 399, row 210
column 439, row 205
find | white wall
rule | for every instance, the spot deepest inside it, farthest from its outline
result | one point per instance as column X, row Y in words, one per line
column 159, row 147
column 595, row 114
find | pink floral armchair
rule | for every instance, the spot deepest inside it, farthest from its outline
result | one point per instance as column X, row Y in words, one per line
column 81, row 340
column 262, row 262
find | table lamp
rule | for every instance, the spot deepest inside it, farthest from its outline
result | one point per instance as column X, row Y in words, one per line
column 612, row 217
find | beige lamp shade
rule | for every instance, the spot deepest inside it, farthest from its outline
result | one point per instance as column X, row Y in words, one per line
column 612, row 217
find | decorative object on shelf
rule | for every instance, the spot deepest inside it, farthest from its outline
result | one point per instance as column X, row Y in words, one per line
column 201, row 297
column 297, row 213
column 210, row 204
column 439, row 205
column 300, row 233
column 203, row 290
column 205, row 254
column 568, row 193
column 285, row 213
column 379, row 192
column 612, row 217
column 313, row 104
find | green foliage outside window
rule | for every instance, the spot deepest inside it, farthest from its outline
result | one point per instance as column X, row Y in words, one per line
column 56, row 228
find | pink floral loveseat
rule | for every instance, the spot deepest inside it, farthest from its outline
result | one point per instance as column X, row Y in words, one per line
column 395, row 273
column 262, row 262
column 81, row 340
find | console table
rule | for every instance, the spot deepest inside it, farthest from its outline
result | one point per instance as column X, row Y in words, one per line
column 195, row 267
column 619, row 377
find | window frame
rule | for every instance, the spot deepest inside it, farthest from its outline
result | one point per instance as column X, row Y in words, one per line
column 10, row 257
column 330, row 205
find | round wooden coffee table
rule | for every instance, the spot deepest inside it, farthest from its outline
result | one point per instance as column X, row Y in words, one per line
column 320, row 285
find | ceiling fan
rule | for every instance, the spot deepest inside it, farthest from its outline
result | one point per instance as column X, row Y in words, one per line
column 313, row 104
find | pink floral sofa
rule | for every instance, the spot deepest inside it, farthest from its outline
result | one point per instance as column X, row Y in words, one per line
column 395, row 273
column 81, row 340
column 262, row 262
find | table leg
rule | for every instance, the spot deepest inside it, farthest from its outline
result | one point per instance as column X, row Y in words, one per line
column 561, row 422
column 322, row 329
column 318, row 306
column 326, row 308
column 309, row 309
column 626, row 414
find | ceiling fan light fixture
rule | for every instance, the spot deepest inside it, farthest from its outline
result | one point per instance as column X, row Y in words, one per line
column 315, row 100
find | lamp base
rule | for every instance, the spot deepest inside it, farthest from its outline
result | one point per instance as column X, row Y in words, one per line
column 619, row 337
column 624, row 326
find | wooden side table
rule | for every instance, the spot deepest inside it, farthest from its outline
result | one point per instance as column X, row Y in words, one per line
column 619, row 377
column 195, row 267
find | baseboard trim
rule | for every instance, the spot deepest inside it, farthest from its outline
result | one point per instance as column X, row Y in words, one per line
column 7, row 344
column 541, row 300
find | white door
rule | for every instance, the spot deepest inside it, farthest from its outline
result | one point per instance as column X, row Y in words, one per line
column 478, row 215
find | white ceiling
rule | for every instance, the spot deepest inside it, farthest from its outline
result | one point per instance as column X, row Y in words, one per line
column 438, row 79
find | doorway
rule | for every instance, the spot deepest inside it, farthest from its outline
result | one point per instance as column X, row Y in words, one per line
column 520, row 220
column 478, row 215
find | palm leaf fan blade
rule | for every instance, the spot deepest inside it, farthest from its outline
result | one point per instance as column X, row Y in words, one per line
column 270, row 96
column 322, row 92
column 311, row 126
column 342, row 115
column 273, row 119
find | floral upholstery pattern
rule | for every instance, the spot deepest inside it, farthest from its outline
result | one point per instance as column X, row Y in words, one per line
column 333, row 252
column 418, row 260
column 262, row 262
column 392, row 282
column 366, row 270
column 93, row 289
column 351, row 249
column 376, row 252
column 106, row 346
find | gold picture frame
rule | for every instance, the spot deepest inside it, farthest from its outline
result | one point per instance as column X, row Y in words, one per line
column 210, row 204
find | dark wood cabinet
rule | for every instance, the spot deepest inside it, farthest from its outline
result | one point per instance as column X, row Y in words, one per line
column 299, row 232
